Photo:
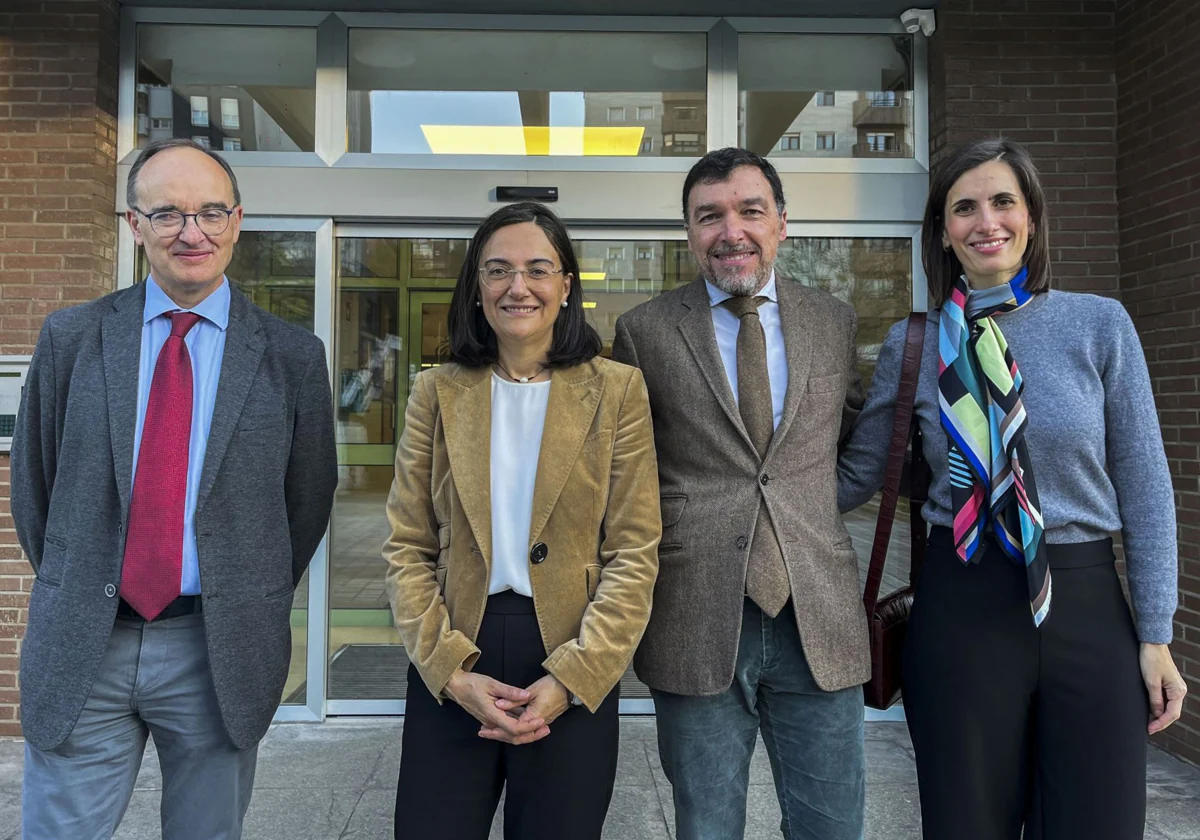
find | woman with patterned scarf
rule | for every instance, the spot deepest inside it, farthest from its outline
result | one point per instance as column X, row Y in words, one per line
column 1029, row 688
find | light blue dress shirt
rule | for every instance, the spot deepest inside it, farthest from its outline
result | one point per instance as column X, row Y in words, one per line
column 206, row 345
column 726, row 326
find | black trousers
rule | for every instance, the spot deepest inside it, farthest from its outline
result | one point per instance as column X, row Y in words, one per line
column 451, row 779
column 1015, row 725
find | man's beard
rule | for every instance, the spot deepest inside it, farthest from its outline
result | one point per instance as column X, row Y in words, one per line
column 735, row 283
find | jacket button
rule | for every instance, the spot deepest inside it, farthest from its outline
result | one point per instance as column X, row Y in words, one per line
column 110, row 590
column 538, row 553
column 764, row 479
column 741, row 542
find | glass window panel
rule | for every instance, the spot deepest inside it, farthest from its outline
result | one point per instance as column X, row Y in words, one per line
column 841, row 87
column 872, row 275
column 263, row 77
column 276, row 270
column 230, row 114
column 199, row 111
column 560, row 93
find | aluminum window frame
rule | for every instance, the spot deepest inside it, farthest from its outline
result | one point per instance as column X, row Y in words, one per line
column 332, row 31
column 919, row 163
column 919, row 299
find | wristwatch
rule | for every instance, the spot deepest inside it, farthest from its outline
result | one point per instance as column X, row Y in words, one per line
column 575, row 701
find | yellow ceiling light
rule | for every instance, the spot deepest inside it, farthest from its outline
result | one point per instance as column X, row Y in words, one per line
column 592, row 275
column 619, row 141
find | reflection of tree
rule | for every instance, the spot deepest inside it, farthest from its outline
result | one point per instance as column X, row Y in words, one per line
column 276, row 270
column 872, row 275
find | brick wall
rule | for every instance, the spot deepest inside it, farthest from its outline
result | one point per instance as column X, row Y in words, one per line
column 1040, row 72
column 58, row 73
column 1158, row 168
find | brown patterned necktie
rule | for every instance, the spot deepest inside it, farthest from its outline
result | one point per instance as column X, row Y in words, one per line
column 766, row 576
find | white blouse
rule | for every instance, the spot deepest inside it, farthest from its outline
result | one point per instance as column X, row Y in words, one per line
column 518, row 418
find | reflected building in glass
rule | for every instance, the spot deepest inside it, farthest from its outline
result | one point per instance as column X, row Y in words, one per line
column 826, row 96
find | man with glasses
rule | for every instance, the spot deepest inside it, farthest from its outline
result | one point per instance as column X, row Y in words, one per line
column 173, row 470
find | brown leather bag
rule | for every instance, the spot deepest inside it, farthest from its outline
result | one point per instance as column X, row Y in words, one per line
column 887, row 619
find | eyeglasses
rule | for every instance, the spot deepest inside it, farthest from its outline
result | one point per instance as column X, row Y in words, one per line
column 212, row 222
column 498, row 276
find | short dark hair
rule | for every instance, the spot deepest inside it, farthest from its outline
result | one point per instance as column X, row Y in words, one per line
column 718, row 165
column 942, row 266
column 472, row 340
column 157, row 146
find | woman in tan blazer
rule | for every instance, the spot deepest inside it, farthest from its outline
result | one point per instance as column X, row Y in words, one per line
column 525, row 528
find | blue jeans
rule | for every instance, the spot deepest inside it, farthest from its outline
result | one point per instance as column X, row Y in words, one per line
column 814, row 740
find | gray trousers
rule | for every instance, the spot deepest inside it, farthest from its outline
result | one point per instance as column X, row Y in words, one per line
column 154, row 680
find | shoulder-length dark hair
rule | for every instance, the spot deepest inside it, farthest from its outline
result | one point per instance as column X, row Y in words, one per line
column 472, row 340
column 942, row 266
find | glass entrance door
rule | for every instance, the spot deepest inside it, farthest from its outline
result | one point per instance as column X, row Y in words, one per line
column 393, row 295
column 392, row 299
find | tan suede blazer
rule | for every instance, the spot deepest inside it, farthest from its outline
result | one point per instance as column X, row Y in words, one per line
column 595, row 508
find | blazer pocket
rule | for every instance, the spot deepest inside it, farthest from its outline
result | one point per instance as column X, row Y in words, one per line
column 54, row 558
column 672, row 506
column 672, row 509
column 593, row 580
column 826, row 384
column 56, row 541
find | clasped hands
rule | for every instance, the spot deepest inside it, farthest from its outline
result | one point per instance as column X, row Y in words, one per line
column 509, row 714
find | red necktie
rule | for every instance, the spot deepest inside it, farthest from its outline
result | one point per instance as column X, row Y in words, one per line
column 151, row 576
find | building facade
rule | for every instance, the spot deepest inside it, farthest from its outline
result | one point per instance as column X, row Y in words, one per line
column 371, row 136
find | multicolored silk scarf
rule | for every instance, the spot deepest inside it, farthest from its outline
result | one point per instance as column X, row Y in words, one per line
column 991, row 477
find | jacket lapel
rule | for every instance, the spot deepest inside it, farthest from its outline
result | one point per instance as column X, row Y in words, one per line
column 466, row 402
column 244, row 345
column 574, row 397
column 121, row 340
column 697, row 329
column 797, row 344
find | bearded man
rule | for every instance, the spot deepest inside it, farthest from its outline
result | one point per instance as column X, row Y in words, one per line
column 758, row 623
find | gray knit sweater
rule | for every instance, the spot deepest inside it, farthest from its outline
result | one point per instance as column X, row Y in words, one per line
column 1093, row 438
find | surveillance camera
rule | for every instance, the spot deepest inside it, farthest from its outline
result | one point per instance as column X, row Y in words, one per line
column 919, row 20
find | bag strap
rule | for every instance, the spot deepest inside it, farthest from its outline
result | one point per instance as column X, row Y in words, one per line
column 902, row 423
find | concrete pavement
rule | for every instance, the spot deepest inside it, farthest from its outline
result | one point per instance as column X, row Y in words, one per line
column 336, row 781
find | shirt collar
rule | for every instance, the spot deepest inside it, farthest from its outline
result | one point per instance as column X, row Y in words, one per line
column 214, row 308
column 717, row 296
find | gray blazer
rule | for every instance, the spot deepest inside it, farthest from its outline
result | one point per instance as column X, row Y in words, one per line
column 265, row 493
column 712, row 483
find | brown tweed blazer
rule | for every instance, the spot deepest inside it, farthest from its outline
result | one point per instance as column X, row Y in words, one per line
column 712, row 483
